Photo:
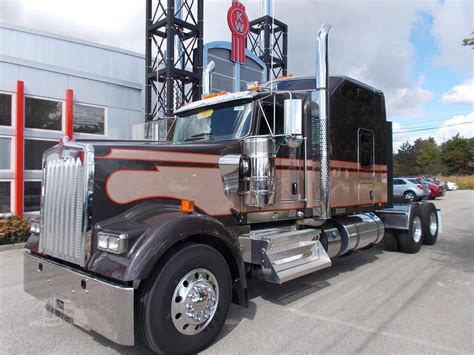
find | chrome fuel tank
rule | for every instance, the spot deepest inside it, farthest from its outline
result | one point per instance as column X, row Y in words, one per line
column 346, row 234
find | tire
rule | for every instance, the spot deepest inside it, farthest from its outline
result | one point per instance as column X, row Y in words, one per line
column 430, row 223
column 411, row 240
column 409, row 196
column 193, row 271
column 390, row 240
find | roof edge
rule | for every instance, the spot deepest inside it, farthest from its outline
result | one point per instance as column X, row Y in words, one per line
column 70, row 39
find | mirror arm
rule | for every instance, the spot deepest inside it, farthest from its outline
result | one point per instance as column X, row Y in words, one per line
column 265, row 117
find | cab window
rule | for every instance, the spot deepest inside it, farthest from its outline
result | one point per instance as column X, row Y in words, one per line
column 366, row 148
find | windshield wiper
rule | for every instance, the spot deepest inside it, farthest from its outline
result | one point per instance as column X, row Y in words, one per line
column 198, row 136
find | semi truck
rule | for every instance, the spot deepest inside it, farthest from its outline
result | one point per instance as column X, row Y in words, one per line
column 153, row 240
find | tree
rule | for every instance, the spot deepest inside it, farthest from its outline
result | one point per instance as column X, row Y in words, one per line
column 427, row 157
column 469, row 41
column 403, row 160
column 458, row 155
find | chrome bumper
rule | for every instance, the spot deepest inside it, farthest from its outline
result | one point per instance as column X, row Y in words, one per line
column 91, row 304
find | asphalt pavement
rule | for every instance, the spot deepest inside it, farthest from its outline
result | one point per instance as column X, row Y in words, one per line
column 371, row 302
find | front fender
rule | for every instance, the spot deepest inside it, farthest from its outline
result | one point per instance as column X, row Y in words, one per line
column 165, row 229
column 178, row 227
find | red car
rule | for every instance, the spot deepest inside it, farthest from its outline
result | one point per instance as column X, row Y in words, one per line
column 435, row 190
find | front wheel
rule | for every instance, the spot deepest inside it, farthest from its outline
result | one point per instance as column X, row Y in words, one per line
column 184, row 304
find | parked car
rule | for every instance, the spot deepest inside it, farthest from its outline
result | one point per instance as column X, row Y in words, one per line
column 452, row 186
column 435, row 190
column 422, row 181
column 408, row 190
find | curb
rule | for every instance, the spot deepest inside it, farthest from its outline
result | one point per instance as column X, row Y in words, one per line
column 12, row 246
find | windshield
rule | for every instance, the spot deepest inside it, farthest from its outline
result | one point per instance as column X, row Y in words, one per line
column 213, row 123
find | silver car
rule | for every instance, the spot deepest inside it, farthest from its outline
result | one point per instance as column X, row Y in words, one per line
column 408, row 190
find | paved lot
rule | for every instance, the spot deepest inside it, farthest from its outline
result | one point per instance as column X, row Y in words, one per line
column 371, row 302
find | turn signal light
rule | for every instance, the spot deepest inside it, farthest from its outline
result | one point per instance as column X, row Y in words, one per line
column 187, row 206
column 254, row 88
column 214, row 94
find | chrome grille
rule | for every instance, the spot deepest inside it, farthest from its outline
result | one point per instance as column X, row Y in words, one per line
column 64, row 219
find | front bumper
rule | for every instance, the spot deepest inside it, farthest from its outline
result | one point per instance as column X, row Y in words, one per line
column 92, row 304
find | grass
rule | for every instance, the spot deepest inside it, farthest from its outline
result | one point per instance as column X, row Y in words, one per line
column 464, row 182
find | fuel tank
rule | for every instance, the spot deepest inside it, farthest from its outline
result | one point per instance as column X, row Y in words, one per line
column 347, row 234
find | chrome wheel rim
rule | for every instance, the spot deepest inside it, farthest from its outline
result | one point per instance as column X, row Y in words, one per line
column 433, row 223
column 417, row 229
column 410, row 196
column 195, row 301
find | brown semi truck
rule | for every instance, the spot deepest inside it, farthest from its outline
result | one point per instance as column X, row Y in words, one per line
column 153, row 240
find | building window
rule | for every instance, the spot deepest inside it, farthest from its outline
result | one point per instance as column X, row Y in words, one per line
column 5, row 110
column 5, row 196
column 89, row 119
column 32, row 193
column 5, row 153
column 366, row 149
column 43, row 114
column 34, row 150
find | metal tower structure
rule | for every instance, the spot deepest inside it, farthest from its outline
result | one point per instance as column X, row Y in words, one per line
column 173, row 55
column 268, row 40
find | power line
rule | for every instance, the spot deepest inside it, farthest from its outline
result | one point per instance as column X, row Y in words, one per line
column 418, row 121
column 434, row 127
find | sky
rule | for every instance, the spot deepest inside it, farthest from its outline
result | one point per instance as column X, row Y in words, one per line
column 409, row 49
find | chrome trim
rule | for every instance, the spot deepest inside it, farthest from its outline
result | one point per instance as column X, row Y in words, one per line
column 293, row 116
column 195, row 301
column 284, row 253
column 396, row 217
column 322, row 86
column 369, row 228
column 334, row 239
column 92, row 304
column 207, row 77
column 229, row 169
column 260, row 185
column 346, row 234
column 417, row 232
column 271, row 216
column 433, row 223
column 53, row 216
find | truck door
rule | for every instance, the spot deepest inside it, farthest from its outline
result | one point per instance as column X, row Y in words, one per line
column 366, row 166
column 289, row 160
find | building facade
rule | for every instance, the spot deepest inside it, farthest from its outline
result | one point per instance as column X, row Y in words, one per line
column 53, row 86
column 231, row 76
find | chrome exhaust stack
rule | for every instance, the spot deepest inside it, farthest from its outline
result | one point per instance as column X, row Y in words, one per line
column 206, row 78
column 322, row 92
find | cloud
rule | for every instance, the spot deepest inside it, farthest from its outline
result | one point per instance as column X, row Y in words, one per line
column 370, row 40
column 462, row 124
column 408, row 101
column 452, row 22
column 460, row 94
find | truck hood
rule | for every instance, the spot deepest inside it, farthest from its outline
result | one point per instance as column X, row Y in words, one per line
column 129, row 173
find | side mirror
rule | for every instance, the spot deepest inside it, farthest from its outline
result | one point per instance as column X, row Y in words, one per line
column 293, row 117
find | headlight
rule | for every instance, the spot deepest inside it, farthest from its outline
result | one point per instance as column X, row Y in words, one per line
column 112, row 242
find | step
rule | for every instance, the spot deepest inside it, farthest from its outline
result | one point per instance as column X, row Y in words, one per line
column 284, row 253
